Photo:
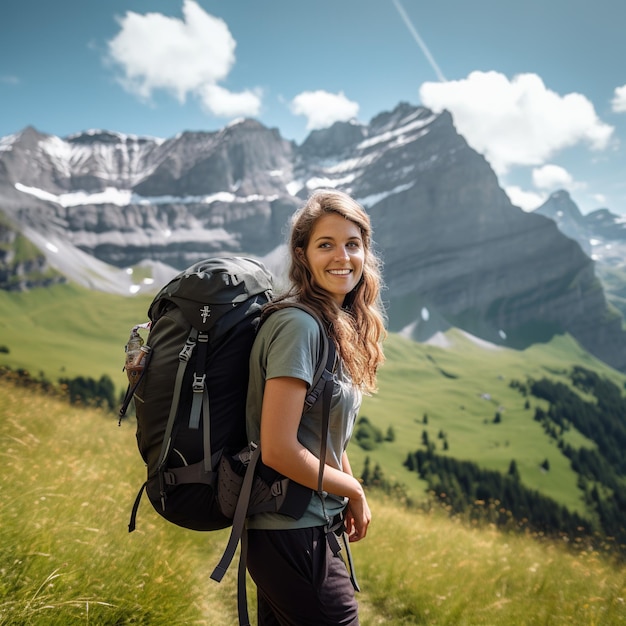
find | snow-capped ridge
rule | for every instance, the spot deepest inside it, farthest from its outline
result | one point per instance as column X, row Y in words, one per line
column 452, row 243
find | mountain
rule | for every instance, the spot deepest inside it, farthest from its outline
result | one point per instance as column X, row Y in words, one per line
column 601, row 234
column 456, row 252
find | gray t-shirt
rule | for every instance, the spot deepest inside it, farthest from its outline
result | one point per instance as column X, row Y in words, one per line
column 288, row 344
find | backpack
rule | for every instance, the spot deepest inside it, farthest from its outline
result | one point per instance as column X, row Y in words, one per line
column 189, row 388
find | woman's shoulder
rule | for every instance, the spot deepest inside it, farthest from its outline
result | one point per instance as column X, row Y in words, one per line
column 289, row 342
column 291, row 317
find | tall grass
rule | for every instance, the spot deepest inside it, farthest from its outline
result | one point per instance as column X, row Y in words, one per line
column 68, row 479
column 68, row 482
column 428, row 569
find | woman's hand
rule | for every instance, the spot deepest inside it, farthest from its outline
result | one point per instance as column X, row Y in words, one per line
column 357, row 518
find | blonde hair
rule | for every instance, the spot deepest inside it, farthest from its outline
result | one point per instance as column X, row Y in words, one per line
column 358, row 326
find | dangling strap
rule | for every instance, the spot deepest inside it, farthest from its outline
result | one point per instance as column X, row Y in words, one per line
column 346, row 543
column 239, row 519
column 333, row 530
column 133, row 515
column 242, row 596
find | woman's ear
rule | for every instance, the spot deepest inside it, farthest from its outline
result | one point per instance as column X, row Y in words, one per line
column 300, row 254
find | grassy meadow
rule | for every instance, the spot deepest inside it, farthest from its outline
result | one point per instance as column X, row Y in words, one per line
column 69, row 476
column 459, row 389
column 67, row 331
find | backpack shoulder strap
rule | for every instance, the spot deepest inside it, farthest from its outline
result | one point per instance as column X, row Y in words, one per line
column 322, row 385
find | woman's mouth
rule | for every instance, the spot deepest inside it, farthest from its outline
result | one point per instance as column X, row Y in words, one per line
column 340, row 272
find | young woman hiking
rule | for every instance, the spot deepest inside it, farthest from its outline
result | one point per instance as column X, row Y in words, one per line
column 300, row 578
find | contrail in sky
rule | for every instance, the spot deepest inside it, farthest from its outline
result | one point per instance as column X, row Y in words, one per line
column 420, row 41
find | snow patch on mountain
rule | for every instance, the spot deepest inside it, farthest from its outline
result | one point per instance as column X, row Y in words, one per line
column 125, row 197
column 6, row 143
column 373, row 199
column 399, row 136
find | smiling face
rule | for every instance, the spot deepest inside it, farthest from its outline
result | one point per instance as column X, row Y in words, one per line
column 335, row 255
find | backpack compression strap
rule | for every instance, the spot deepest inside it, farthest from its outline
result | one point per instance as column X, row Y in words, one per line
column 201, row 399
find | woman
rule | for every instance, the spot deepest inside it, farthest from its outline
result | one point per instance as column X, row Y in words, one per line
column 300, row 580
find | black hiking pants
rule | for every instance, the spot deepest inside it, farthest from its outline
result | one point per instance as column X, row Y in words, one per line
column 300, row 580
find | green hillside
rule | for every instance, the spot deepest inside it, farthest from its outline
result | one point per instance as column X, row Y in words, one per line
column 458, row 399
column 69, row 476
column 460, row 389
column 66, row 331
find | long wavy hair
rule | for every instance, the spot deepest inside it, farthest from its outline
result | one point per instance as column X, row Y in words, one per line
column 357, row 327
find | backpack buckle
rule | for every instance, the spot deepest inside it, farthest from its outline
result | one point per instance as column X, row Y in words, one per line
column 187, row 349
column 198, row 383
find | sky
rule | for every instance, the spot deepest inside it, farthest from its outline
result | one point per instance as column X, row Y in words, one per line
column 537, row 87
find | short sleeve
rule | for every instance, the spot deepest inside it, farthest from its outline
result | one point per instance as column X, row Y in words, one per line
column 290, row 341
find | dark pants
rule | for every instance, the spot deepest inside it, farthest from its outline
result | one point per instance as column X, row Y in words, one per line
column 300, row 581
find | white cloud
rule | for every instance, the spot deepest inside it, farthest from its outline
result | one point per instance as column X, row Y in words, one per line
column 552, row 177
column 322, row 109
column 526, row 200
column 618, row 104
column 224, row 103
column 183, row 57
column 519, row 121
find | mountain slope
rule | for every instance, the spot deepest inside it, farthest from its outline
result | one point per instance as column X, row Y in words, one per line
column 456, row 252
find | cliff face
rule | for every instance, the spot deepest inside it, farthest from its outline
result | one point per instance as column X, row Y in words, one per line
column 455, row 251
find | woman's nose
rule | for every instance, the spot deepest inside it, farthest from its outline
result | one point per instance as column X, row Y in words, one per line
column 342, row 253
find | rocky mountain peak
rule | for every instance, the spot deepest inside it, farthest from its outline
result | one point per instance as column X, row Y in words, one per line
column 563, row 210
column 455, row 251
column 338, row 139
column 560, row 205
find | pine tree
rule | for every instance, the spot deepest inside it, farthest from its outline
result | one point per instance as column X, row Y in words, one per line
column 513, row 471
column 365, row 476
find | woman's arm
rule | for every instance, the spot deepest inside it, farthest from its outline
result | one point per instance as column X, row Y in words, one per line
column 283, row 402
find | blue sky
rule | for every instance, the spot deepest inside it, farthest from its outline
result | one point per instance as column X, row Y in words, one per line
column 538, row 87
